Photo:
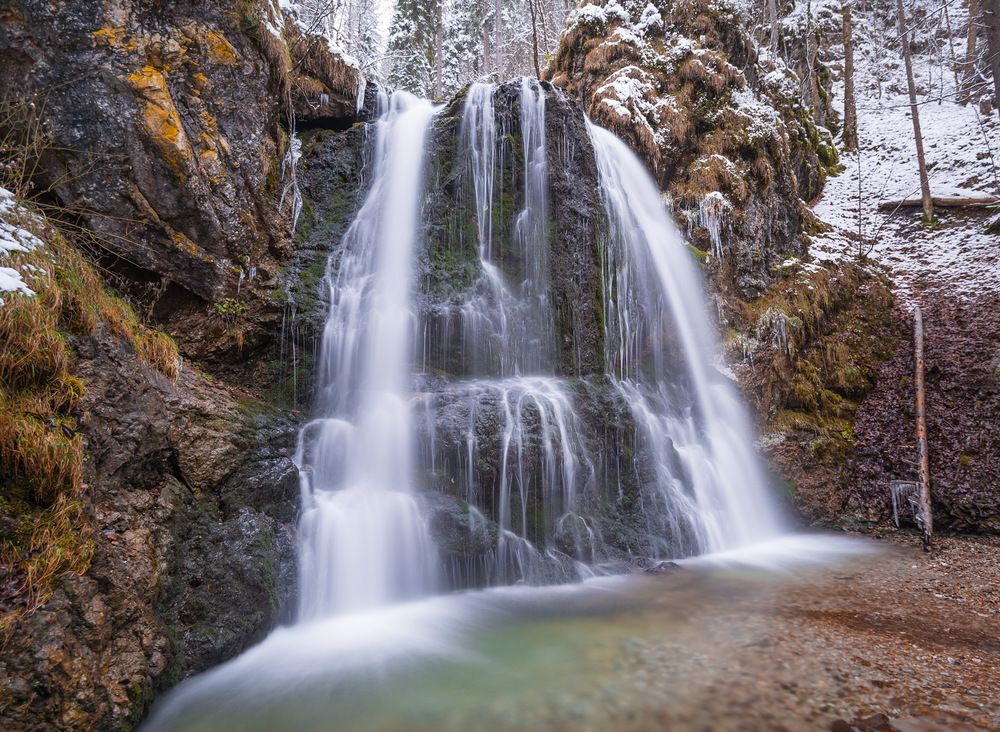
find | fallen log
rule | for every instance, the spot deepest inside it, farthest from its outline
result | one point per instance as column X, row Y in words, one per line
column 941, row 202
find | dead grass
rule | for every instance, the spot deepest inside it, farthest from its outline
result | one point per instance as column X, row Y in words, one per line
column 599, row 60
column 23, row 140
column 254, row 17
column 311, row 56
column 60, row 542
column 41, row 451
column 40, row 448
column 307, row 87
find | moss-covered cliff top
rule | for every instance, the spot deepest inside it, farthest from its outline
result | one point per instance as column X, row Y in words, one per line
column 682, row 84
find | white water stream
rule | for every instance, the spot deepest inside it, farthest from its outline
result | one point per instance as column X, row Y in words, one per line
column 707, row 475
column 363, row 540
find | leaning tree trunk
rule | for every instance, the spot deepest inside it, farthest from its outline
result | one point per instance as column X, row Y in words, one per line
column 807, row 95
column 925, row 186
column 850, row 137
column 969, row 75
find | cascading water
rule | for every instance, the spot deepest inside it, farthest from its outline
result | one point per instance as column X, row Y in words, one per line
column 688, row 457
column 708, row 489
column 507, row 330
column 511, row 438
column 486, row 454
column 363, row 540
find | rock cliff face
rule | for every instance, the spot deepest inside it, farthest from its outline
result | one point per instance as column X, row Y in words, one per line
column 165, row 135
column 162, row 131
column 165, row 129
column 730, row 143
column 188, row 496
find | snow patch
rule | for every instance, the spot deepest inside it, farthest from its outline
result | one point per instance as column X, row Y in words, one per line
column 14, row 238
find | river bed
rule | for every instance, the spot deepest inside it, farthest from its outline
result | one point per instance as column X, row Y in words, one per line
column 772, row 640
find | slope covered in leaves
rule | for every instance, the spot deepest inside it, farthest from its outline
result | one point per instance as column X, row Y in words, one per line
column 951, row 269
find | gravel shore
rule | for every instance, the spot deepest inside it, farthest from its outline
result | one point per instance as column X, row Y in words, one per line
column 901, row 640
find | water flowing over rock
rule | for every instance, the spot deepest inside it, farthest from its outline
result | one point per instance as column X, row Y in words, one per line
column 364, row 541
column 561, row 410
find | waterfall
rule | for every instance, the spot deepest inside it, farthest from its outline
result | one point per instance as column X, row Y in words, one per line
column 709, row 489
column 508, row 331
column 521, row 444
column 363, row 540
column 454, row 450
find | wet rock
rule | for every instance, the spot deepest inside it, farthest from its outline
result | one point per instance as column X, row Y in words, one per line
column 180, row 100
column 662, row 568
column 176, row 583
column 459, row 530
column 574, row 537
column 164, row 130
column 450, row 263
column 334, row 181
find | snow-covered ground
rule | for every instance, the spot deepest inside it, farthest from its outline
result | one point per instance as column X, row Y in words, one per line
column 962, row 148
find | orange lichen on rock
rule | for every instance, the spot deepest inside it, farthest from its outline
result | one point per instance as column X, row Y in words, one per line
column 213, row 46
column 114, row 38
column 161, row 120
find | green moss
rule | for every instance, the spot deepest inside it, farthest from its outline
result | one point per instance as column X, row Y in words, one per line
column 699, row 256
column 827, row 154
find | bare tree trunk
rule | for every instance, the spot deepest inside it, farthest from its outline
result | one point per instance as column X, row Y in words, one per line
column 772, row 20
column 544, row 12
column 439, row 61
column 487, row 49
column 497, row 25
column 991, row 22
column 951, row 46
column 926, row 519
column 850, row 137
column 969, row 74
column 925, row 186
column 534, row 38
column 812, row 83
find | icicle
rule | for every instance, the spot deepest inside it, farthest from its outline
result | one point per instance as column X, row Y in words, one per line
column 710, row 213
column 362, row 86
column 288, row 168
